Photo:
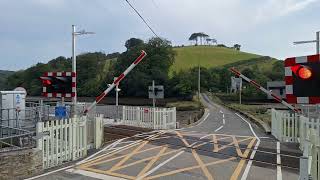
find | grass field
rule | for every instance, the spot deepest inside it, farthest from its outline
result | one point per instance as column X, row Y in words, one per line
column 207, row 56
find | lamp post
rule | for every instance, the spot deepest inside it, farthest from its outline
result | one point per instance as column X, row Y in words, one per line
column 317, row 41
column 74, row 61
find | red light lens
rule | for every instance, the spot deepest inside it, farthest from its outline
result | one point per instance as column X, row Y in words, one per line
column 304, row 73
column 46, row 82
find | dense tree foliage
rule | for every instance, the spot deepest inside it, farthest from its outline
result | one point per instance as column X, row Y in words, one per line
column 154, row 67
column 91, row 69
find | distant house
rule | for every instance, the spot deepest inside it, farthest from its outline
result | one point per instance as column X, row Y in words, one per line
column 278, row 88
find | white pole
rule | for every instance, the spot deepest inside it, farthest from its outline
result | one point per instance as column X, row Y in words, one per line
column 240, row 89
column 117, row 101
column 74, row 66
column 199, row 81
column 153, row 99
column 318, row 42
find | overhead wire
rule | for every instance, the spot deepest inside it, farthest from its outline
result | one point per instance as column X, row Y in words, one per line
column 143, row 19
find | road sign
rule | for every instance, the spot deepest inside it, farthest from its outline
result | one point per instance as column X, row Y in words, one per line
column 60, row 112
column 302, row 77
column 58, row 84
column 236, row 84
column 158, row 92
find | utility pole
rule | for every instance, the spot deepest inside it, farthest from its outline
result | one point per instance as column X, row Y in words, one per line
column 317, row 41
column 74, row 61
column 240, row 89
column 199, row 81
column 154, row 98
column 74, row 67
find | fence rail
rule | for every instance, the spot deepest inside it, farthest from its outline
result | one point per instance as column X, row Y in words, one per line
column 288, row 127
column 146, row 117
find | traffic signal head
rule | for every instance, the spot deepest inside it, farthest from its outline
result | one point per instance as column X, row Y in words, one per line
column 303, row 72
column 58, row 84
column 302, row 76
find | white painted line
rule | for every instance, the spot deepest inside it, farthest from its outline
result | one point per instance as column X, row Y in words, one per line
column 223, row 116
column 203, row 120
column 93, row 175
column 265, row 137
column 223, row 121
column 51, row 172
column 206, row 136
column 192, row 144
column 221, row 112
column 246, row 171
column 218, row 129
column 159, row 166
column 279, row 172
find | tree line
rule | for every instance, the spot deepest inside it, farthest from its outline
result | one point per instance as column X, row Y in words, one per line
column 96, row 70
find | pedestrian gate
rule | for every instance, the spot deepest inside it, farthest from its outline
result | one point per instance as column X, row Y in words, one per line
column 62, row 140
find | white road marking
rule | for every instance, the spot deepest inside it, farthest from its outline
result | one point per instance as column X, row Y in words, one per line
column 223, row 116
column 45, row 174
column 206, row 136
column 223, row 121
column 218, row 129
column 221, row 112
column 93, row 175
column 246, row 171
column 159, row 166
column 279, row 172
column 265, row 137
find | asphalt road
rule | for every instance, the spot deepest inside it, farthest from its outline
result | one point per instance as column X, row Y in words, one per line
column 223, row 145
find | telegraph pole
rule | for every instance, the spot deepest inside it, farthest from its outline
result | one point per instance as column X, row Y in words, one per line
column 154, row 98
column 199, row 81
column 74, row 61
column 317, row 41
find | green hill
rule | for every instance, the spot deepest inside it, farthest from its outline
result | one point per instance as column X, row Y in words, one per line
column 207, row 56
column 3, row 78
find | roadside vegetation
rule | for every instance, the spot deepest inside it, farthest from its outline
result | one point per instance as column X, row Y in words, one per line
column 175, row 68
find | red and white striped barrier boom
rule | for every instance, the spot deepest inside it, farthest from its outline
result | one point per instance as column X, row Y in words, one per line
column 258, row 86
column 117, row 81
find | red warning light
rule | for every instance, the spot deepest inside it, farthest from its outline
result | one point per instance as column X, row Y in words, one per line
column 304, row 73
column 46, row 82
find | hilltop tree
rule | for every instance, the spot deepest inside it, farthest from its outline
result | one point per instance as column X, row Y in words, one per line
column 237, row 47
column 198, row 36
column 194, row 37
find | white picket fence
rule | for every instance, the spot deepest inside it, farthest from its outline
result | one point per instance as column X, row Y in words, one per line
column 287, row 127
column 62, row 140
column 147, row 117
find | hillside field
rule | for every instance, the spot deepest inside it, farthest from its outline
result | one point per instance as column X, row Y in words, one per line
column 207, row 56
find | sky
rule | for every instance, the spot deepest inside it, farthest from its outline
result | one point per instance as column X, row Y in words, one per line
column 33, row 31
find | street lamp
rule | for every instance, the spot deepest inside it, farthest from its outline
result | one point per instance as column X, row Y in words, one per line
column 317, row 41
column 74, row 61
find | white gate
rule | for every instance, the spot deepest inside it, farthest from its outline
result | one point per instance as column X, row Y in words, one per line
column 146, row 117
column 62, row 140
column 306, row 131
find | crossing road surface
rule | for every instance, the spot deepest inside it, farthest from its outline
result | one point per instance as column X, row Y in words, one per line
column 223, row 145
